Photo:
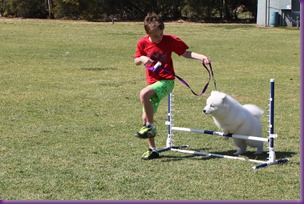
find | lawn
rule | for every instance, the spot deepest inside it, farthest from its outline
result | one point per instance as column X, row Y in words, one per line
column 70, row 107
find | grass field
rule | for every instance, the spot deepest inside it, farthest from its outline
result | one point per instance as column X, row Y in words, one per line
column 70, row 107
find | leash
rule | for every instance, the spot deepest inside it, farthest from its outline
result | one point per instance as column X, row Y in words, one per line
column 156, row 68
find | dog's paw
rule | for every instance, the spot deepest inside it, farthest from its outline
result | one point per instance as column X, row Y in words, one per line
column 258, row 152
column 240, row 151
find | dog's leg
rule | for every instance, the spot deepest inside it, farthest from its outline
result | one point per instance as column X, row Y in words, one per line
column 241, row 145
column 259, row 150
column 239, row 151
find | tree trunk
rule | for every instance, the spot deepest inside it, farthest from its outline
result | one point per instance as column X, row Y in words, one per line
column 50, row 6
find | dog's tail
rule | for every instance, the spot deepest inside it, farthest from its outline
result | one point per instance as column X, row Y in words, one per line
column 254, row 110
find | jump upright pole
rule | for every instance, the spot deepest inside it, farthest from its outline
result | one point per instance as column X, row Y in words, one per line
column 271, row 159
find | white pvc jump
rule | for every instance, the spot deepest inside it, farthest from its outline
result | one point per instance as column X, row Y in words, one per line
column 270, row 140
column 244, row 137
column 215, row 155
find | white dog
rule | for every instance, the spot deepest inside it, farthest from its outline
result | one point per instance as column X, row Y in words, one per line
column 232, row 117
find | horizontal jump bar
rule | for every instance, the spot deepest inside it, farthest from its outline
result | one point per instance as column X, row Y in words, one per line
column 216, row 155
column 244, row 137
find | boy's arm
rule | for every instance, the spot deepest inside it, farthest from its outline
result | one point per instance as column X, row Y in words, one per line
column 137, row 61
column 194, row 55
column 142, row 59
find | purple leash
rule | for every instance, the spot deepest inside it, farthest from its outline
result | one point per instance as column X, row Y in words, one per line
column 158, row 66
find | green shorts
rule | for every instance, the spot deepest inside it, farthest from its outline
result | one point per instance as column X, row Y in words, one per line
column 162, row 89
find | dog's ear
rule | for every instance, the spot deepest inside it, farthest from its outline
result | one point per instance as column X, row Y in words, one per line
column 218, row 93
column 222, row 95
column 224, row 99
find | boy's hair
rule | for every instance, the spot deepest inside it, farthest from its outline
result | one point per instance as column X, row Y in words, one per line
column 152, row 21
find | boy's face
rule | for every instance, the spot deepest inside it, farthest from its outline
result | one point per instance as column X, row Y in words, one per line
column 156, row 35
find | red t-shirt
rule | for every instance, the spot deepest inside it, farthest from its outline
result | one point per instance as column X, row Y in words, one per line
column 162, row 52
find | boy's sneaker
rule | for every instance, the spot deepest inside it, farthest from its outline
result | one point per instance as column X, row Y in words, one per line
column 146, row 132
column 150, row 155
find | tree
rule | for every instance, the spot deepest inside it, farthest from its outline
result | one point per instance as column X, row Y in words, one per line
column 24, row 8
column 105, row 10
column 49, row 4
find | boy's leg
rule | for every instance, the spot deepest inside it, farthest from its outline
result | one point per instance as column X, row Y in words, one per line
column 151, row 140
column 151, row 143
column 148, row 130
column 150, row 98
column 145, row 95
column 144, row 118
column 148, row 118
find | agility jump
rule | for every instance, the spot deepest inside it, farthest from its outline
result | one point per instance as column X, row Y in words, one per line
column 262, row 163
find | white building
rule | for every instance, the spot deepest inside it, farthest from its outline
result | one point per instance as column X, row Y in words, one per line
column 278, row 13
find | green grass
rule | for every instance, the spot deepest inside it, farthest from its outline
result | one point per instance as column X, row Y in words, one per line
column 70, row 107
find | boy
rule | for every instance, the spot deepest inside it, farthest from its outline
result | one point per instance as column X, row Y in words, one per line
column 153, row 48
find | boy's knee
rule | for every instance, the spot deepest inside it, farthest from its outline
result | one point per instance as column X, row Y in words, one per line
column 143, row 96
column 146, row 94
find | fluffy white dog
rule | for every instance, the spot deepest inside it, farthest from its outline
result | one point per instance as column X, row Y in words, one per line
column 232, row 117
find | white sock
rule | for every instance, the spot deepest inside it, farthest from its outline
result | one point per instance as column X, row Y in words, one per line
column 153, row 148
column 150, row 124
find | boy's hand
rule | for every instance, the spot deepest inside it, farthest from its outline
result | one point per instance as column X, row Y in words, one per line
column 205, row 60
column 145, row 60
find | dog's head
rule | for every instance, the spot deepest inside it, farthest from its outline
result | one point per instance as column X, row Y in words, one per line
column 214, row 102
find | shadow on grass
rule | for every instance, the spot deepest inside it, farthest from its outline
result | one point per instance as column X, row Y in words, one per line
column 249, row 155
column 97, row 68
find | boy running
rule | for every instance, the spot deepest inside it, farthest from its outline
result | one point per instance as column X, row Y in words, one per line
column 152, row 48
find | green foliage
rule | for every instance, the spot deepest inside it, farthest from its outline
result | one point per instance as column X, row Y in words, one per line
column 24, row 8
column 105, row 10
column 70, row 107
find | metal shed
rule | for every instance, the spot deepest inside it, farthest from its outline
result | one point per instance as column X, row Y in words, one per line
column 278, row 13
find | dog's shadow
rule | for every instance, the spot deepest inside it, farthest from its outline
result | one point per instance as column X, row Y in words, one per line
column 248, row 155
